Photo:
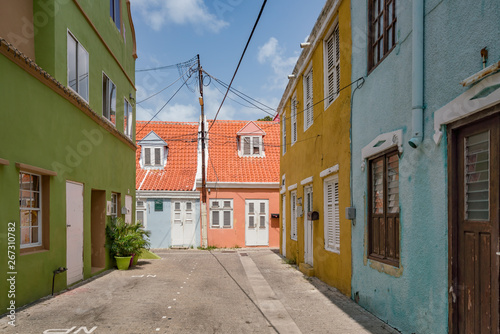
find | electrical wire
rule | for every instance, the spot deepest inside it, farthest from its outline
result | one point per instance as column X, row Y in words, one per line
column 239, row 63
column 184, row 83
column 170, row 85
column 166, row 67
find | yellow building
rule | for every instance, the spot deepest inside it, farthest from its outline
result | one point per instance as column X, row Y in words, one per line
column 315, row 152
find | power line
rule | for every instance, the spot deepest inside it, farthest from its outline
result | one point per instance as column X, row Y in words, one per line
column 166, row 67
column 239, row 63
column 162, row 107
column 182, row 75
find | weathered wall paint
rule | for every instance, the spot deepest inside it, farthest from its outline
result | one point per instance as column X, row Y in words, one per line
column 235, row 237
column 43, row 129
column 323, row 145
column 159, row 223
column 414, row 297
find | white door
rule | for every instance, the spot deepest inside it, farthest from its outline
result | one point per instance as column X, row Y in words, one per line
column 283, row 227
column 128, row 205
column 183, row 227
column 308, row 227
column 257, row 222
column 74, row 232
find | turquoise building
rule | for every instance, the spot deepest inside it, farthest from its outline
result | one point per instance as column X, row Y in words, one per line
column 425, row 163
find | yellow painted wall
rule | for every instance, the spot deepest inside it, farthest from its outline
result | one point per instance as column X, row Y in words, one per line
column 324, row 144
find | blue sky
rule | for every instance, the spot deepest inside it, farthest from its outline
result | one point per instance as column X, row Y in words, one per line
column 174, row 31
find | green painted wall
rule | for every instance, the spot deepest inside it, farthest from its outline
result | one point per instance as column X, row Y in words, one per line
column 39, row 127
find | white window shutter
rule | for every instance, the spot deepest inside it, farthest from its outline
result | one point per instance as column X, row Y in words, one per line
column 308, row 98
column 246, row 145
column 147, row 156
column 227, row 219
column 215, row 218
column 332, row 216
column 332, row 46
column 337, row 217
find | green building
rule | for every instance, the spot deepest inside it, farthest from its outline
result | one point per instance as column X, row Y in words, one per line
column 67, row 152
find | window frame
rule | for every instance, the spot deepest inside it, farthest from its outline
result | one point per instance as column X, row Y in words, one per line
column 114, row 205
column 107, row 99
column 141, row 208
column 222, row 209
column 78, row 47
column 252, row 147
column 293, row 118
column 372, row 64
column 335, row 247
column 382, row 255
column 115, row 5
column 128, row 118
column 308, row 99
column 30, row 209
column 293, row 215
column 153, row 156
column 334, row 34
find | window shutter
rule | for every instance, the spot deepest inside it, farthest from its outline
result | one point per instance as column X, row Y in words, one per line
column 337, row 60
column 147, row 156
column 284, row 135
column 337, row 217
column 251, row 207
column 215, row 218
column 333, row 65
column 215, row 204
column 157, row 156
column 177, row 206
column 189, row 206
column 256, row 145
column 262, row 222
column 294, row 120
column 308, row 97
column 251, row 222
column 227, row 204
column 227, row 219
column 246, row 145
column 332, row 224
column 293, row 229
column 262, row 207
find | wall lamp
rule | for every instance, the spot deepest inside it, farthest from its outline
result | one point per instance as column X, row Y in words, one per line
column 305, row 45
column 292, row 76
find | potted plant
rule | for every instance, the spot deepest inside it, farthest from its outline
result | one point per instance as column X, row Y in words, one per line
column 121, row 242
column 141, row 241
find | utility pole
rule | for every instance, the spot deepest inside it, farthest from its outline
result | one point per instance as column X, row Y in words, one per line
column 203, row 206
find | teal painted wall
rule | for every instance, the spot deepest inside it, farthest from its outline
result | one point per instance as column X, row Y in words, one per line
column 414, row 297
column 41, row 128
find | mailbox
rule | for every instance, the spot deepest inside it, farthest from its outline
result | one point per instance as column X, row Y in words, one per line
column 313, row 215
column 275, row 215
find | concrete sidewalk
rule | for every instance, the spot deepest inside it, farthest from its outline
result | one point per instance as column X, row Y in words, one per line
column 193, row 291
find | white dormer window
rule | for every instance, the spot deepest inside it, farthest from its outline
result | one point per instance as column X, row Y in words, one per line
column 251, row 146
column 154, row 151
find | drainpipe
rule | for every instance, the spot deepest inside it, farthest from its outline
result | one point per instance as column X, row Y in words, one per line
column 417, row 96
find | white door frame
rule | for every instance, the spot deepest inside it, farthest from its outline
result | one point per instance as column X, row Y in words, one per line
column 308, row 226
column 261, row 234
column 74, row 232
column 187, row 240
column 283, row 226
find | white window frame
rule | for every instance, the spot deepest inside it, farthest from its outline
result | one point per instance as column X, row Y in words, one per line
column 128, row 118
column 108, row 102
column 252, row 150
column 333, row 69
column 308, row 99
column 283, row 123
column 293, row 107
column 141, row 208
column 114, row 205
column 221, row 210
column 153, row 155
column 331, row 224
column 293, row 215
column 77, row 63
column 29, row 209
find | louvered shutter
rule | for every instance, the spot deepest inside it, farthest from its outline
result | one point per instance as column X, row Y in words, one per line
column 246, row 145
column 157, row 156
column 308, row 97
column 256, row 145
column 215, row 219
column 283, row 144
column 332, row 217
column 147, row 156
column 333, row 65
column 227, row 219
column 294, row 120
column 293, row 229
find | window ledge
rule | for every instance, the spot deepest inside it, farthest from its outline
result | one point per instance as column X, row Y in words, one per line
column 4, row 162
column 32, row 250
column 336, row 251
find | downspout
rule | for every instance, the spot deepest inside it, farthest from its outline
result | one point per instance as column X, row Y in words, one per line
column 417, row 96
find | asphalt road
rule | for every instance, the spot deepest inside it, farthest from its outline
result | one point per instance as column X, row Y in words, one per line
column 193, row 291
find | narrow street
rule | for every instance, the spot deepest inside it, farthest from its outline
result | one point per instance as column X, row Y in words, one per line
column 192, row 291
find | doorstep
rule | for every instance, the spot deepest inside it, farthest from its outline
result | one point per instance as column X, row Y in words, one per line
column 306, row 269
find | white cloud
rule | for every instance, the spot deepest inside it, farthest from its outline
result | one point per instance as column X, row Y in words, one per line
column 157, row 13
column 273, row 54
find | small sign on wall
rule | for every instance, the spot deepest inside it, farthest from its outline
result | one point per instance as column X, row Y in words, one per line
column 108, row 208
column 158, row 205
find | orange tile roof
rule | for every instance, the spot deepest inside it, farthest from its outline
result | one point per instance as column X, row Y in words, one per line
column 180, row 171
column 224, row 164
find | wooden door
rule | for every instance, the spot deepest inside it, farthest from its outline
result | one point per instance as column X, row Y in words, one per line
column 475, row 210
